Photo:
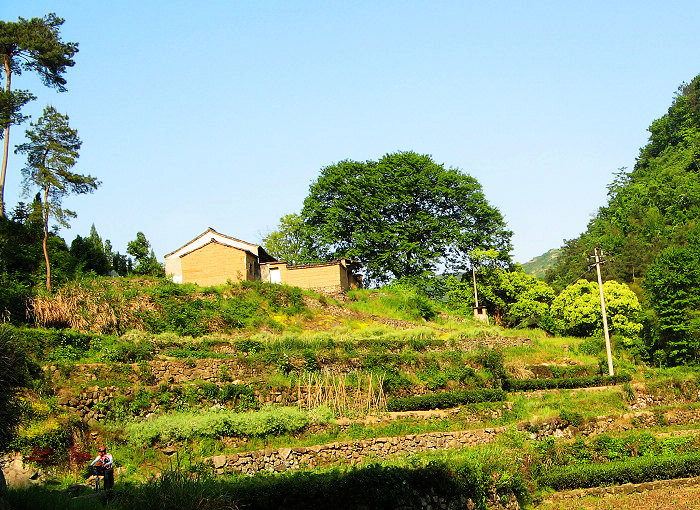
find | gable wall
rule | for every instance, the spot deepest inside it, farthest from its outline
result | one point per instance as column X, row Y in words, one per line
column 214, row 264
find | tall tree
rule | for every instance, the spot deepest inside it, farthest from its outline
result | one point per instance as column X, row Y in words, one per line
column 29, row 45
column 148, row 264
column 402, row 216
column 52, row 151
column 290, row 242
column 672, row 285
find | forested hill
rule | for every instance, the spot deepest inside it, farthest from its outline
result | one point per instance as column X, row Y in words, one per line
column 652, row 208
column 539, row 265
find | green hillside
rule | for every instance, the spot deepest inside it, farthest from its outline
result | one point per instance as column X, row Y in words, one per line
column 328, row 394
column 538, row 266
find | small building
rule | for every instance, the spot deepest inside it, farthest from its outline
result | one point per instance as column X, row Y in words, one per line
column 213, row 259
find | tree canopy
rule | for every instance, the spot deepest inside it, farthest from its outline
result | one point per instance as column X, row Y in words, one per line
column 402, row 216
column 576, row 310
column 29, row 45
column 672, row 285
column 290, row 242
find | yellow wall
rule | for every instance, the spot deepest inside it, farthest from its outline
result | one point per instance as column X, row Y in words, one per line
column 215, row 263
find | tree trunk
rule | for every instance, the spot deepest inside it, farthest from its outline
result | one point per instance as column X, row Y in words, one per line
column 46, row 237
column 6, row 148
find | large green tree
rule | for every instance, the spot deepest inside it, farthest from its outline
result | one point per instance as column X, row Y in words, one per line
column 402, row 216
column 673, row 288
column 576, row 311
column 52, row 151
column 29, row 45
column 147, row 263
column 291, row 241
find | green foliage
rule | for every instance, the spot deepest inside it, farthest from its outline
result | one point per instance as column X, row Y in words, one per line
column 380, row 486
column 633, row 470
column 30, row 45
column 576, row 310
column 445, row 400
column 673, row 287
column 514, row 298
column 52, row 151
column 291, row 242
column 147, row 263
column 89, row 254
column 493, row 361
column 127, row 351
column 565, row 382
column 187, row 425
column 15, row 372
column 53, row 345
column 403, row 215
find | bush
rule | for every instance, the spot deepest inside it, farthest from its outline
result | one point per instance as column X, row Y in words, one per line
column 564, row 382
column 58, row 345
column 187, row 425
column 445, row 400
column 633, row 470
column 126, row 351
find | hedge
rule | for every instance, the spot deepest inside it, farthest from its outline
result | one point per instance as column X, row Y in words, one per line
column 445, row 400
column 634, row 470
column 564, row 382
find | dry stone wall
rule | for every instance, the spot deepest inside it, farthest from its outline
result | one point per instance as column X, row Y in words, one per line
column 348, row 452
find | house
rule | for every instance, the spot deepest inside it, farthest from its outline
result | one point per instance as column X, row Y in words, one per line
column 213, row 258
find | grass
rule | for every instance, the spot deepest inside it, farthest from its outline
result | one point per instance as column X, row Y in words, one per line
column 289, row 345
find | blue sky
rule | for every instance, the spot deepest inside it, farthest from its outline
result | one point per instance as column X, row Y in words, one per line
column 222, row 114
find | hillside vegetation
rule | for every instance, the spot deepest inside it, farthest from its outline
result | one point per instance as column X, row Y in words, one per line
column 299, row 369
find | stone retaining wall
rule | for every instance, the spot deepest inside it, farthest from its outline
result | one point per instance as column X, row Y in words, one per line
column 349, row 452
column 557, row 427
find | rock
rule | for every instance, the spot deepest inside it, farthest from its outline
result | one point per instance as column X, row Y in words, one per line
column 19, row 475
column 219, row 461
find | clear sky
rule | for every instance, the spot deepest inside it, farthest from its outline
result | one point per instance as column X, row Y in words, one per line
column 221, row 113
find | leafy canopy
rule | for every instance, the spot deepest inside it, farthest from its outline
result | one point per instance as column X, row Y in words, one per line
column 673, row 288
column 402, row 216
column 513, row 298
column 576, row 310
column 290, row 242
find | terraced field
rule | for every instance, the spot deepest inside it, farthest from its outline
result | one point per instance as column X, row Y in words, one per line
column 318, row 393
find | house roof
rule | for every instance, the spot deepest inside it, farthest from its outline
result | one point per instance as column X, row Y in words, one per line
column 211, row 235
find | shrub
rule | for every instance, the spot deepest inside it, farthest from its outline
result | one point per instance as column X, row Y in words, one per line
column 633, row 470
column 564, row 382
column 445, row 400
column 186, row 425
column 126, row 351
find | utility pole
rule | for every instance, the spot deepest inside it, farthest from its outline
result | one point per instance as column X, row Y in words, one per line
column 476, row 299
column 598, row 263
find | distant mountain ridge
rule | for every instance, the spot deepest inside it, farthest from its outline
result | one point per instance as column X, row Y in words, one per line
column 539, row 265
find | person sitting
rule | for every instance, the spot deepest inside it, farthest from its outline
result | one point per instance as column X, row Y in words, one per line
column 105, row 461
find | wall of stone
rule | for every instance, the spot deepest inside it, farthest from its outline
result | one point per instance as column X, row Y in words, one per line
column 349, row 452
